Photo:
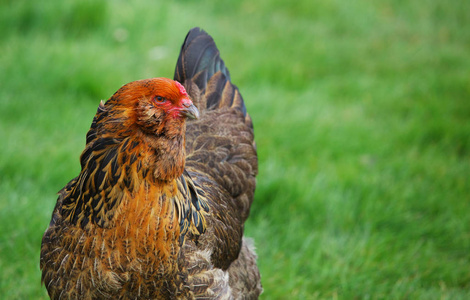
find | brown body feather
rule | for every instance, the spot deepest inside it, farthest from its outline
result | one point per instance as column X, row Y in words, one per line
column 158, row 209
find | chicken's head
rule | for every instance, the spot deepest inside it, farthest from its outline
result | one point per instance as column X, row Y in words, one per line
column 157, row 106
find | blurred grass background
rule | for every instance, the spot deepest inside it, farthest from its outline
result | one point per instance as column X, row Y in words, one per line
column 361, row 112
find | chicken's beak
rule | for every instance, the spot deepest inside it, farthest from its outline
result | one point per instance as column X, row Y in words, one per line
column 189, row 110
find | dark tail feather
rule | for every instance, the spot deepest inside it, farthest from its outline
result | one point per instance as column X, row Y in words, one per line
column 199, row 62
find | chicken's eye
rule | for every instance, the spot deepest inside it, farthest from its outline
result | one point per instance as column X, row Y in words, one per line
column 160, row 99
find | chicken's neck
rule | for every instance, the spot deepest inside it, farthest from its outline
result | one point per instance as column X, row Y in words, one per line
column 115, row 169
column 164, row 156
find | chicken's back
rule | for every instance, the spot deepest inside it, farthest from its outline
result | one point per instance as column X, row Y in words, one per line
column 222, row 161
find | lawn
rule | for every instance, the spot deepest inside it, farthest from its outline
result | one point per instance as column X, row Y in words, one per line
column 362, row 121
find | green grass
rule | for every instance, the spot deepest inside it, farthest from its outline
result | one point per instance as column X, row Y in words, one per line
column 362, row 120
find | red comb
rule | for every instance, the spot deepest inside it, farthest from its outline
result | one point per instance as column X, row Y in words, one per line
column 181, row 88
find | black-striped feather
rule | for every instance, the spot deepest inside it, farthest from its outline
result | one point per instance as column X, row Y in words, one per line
column 200, row 63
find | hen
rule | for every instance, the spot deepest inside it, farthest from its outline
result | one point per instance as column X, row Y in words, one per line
column 158, row 209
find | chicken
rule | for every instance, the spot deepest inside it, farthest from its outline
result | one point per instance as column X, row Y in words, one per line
column 166, row 183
